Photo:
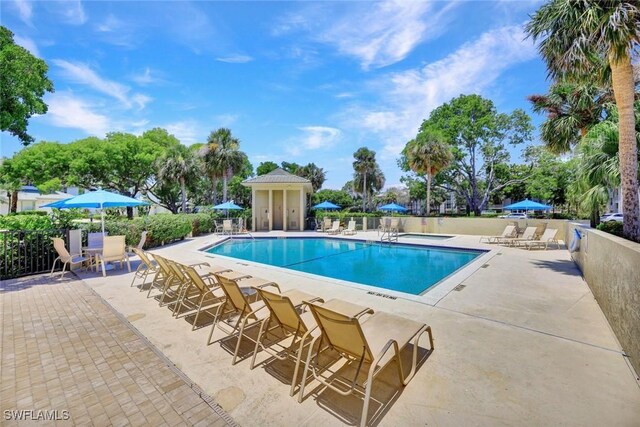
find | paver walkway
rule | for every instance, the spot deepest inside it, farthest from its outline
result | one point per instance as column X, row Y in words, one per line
column 63, row 349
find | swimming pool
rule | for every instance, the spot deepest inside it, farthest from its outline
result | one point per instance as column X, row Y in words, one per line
column 406, row 268
column 425, row 236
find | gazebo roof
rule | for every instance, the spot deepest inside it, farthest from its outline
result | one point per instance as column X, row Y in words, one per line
column 277, row 176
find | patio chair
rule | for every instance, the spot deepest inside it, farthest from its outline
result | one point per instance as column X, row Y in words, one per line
column 369, row 342
column 394, row 225
column 529, row 234
column 227, row 227
column 326, row 223
column 288, row 319
column 164, row 275
column 65, row 257
column 219, row 227
column 509, row 232
column 549, row 236
column 385, row 225
column 140, row 245
column 335, row 228
column 147, row 266
column 239, row 313
column 540, row 228
column 113, row 249
column 351, row 228
column 94, row 240
column 174, row 287
column 200, row 292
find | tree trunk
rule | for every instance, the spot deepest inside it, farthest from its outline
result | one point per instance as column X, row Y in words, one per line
column 214, row 190
column 225, row 177
column 623, row 90
column 428, row 195
column 364, row 192
column 130, row 212
column 183, row 193
column 14, row 201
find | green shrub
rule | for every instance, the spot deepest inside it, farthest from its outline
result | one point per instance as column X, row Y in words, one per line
column 612, row 227
column 26, row 222
column 41, row 213
column 167, row 228
column 201, row 223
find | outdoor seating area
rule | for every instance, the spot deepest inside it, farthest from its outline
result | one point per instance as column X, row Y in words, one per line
column 237, row 303
column 531, row 237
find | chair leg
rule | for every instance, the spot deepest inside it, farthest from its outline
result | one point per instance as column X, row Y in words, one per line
column 258, row 341
column 64, row 268
column 306, row 368
column 54, row 266
column 104, row 270
column 235, row 354
column 297, row 367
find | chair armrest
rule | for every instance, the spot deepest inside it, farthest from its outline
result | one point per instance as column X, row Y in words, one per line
column 274, row 284
column 200, row 264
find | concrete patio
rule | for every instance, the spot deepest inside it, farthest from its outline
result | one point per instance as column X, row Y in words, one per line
column 523, row 342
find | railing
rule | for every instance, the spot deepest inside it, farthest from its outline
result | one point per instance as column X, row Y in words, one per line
column 26, row 252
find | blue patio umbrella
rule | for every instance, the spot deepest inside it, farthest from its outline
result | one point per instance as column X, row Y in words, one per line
column 527, row 205
column 393, row 207
column 227, row 206
column 57, row 204
column 99, row 199
column 326, row 205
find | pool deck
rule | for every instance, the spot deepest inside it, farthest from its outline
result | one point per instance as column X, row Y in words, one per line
column 523, row 342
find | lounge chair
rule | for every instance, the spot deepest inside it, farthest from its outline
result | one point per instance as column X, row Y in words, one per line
column 199, row 292
column 529, row 234
column 326, row 223
column 140, row 245
column 509, row 232
column 385, row 225
column 219, row 228
column 351, row 229
column 291, row 323
column 335, row 228
column 113, row 249
column 549, row 236
column 147, row 266
column 65, row 257
column 227, row 227
column 376, row 341
column 239, row 313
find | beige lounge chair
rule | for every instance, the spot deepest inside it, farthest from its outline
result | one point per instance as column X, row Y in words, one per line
column 200, row 292
column 529, row 234
column 227, row 227
column 288, row 319
column 549, row 236
column 351, row 228
column 140, row 245
column 326, row 223
column 385, row 225
column 376, row 341
column 147, row 266
column 65, row 257
column 239, row 313
column 113, row 250
column 509, row 232
column 335, row 228
column 164, row 275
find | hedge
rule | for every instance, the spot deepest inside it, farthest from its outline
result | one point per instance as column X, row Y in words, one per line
column 26, row 222
column 612, row 227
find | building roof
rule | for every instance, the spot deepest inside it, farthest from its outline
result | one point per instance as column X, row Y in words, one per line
column 277, row 176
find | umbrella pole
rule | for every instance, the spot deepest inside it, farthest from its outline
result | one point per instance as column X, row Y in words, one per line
column 102, row 216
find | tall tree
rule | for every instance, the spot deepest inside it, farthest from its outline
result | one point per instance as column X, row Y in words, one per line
column 575, row 38
column 178, row 165
column 222, row 158
column 426, row 155
column 478, row 135
column 23, row 83
column 314, row 174
column 571, row 108
column 364, row 166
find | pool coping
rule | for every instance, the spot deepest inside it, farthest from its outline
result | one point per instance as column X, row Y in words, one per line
column 430, row 296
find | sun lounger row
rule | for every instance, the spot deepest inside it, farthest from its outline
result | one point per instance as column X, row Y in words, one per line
column 532, row 237
column 292, row 324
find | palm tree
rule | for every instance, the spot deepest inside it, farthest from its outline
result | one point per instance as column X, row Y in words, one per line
column 314, row 174
column 427, row 155
column 178, row 164
column 222, row 158
column 574, row 33
column 363, row 166
column 571, row 108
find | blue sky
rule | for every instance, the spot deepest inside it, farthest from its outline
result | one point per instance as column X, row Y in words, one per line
column 295, row 81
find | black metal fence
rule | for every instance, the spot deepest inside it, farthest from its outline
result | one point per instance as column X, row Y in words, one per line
column 26, row 252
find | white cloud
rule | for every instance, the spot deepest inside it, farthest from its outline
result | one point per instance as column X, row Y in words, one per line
column 317, row 137
column 83, row 74
column 71, row 11
column 409, row 96
column 235, row 59
column 186, row 131
column 25, row 10
column 376, row 34
column 226, row 120
column 68, row 111
column 117, row 32
column 28, row 44
column 146, row 77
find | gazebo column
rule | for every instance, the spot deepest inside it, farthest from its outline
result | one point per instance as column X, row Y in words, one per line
column 285, row 213
column 270, row 215
column 301, row 209
column 254, row 210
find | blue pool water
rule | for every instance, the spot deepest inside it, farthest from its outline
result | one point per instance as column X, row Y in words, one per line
column 403, row 268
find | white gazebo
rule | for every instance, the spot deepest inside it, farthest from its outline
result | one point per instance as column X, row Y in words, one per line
column 278, row 201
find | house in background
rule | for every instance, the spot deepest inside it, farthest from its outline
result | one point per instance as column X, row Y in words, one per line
column 30, row 199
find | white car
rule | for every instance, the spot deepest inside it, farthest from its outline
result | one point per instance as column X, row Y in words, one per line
column 515, row 216
column 612, row 217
